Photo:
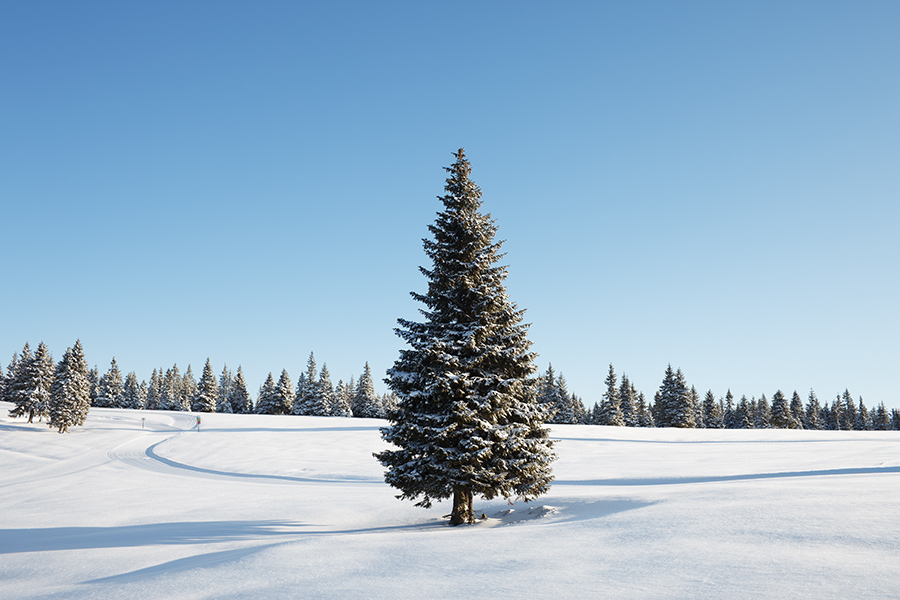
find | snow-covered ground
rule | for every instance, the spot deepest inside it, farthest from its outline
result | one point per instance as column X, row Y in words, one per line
column 255, row 506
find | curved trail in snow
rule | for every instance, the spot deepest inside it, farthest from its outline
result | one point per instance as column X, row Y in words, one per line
column 141, row 453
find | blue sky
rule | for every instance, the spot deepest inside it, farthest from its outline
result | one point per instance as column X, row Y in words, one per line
column 712, row 185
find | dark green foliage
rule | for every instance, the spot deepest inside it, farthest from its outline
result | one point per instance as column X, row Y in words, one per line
column 467, row 422
column 70, row 394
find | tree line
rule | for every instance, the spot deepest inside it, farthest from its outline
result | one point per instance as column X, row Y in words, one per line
column 63, row 393
column 676, row 404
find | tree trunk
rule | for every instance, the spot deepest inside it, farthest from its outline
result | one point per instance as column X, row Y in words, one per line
column 462, row 507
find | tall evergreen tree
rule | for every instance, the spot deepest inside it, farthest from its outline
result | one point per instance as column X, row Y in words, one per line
column 223, row 401
column 110, row 388
column 674, row 405
column 849, row 416
column 813, row 416
column 763, row 413
column 34, row 376
column 188, row 390
column 207, row 393
column 365, row 403
column 70, row 393
column 134, row 395
column 730, row 417
column 781, row 412
column 241, row 402
column 628, row 402
column 712, row 410
column 468, row 422
column 611, row 407
column 154, row 390
column 9, row 379
column 268, row 403
column 284, row 394
column 797, row 412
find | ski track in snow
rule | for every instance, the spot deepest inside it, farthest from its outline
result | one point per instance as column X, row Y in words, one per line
column 141, row 453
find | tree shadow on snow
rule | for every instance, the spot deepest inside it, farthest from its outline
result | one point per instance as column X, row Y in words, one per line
column 80, row 538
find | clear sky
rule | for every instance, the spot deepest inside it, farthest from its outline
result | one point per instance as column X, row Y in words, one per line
column 714, row 185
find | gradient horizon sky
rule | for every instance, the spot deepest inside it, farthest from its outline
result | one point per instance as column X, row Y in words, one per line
column 714, row 185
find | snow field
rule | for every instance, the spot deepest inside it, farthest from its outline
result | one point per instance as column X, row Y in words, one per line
column 256, row 506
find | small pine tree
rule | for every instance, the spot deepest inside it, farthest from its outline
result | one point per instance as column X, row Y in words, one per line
column 31, row 386
column 226, row 382
column 241, row 402
column 715, row 419
column 284, row 394
column 134, row 394
column 207, row 393
column 781, row 417
column 797, row 412
column 365, row 402
column 674, row 405
column 154, row 390
column 763, row 412
column 267, row 403
column 188, row 390
column 628, row 402
column 813, row 413
column 70, row 395
column 111, row 388
column 611, row 406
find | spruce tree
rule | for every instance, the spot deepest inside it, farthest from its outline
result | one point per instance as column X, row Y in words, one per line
column 241, row 402
column 712, row 410
column 134, row 394
column 797, row 410
column 267, row 403
column 70, row 393
column 31, row 387
column 223, row 401
column 813, row 416
column 674, row 407
column 110, row 388
column 284, row 394
column 188, row 390
column 467, row 421
column 365, row 402
column 207, row 393
column 781, row 412
column 628, row 402
column 611, row 407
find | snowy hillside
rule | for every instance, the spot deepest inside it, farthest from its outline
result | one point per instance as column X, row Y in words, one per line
column 255, row 506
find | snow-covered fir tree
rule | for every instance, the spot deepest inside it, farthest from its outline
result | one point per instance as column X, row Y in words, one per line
column 188, row 390
column 326, row 391
column 763, row 412
column 611, row 406
column 781, row 418
column 713, row 412
column 797, row 410
column 134, row 394
column 284, row 394
column 154, row 390
column 365, row 402
column 881, row 418
column 223, row 401
column 697, row 406
column 729, row 411
column 16, row 387
column 850, row 414
column 309, row 399
column 813, row 413
column 94, row 379
column 343, row 396
column 241, row 402
column 170, row 390
column 628, row 402
column 70, row 393
column 9, row 379
column 111, row 387
column 31, row 386
column 674, row 407
column 467, row 422
column 207, row 393
column 267, row 403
